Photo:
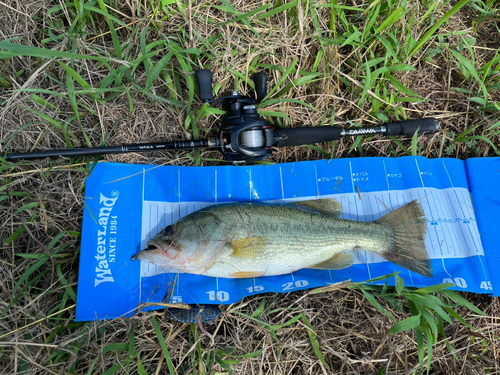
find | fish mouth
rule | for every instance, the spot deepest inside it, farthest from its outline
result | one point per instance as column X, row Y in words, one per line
column 153, row 245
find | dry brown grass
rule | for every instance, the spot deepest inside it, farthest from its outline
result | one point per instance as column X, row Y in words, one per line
column 353, row 336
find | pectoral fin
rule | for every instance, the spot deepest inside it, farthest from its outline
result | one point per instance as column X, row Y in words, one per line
column 336, row 262
column 249, row 247
column 326, row 206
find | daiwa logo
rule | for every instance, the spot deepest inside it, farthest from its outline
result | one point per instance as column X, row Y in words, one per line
column 361, row 131
column 103, row 271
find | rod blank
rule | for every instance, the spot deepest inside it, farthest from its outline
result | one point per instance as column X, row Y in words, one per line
column 78, row 152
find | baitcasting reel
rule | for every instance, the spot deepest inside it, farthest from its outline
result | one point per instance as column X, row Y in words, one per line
column 243, row 134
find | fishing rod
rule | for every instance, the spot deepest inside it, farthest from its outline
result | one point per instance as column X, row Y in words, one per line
column 243, row 136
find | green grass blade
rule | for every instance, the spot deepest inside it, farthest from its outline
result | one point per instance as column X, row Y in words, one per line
column 160, row 65
column 105, row 14
column 408, row 323
column 400, row 87
column 370, row 22
column 414, row 145
column 277, row 10
column 253, row 354
column 459, row 300
column 71, row 292
column 229, row 6
column 431, row 31
column 481, row 138
column 242, row 77
column 112, row 370
column 163, row 345
column 432, row 302
column 434, row 288
column 260, row 309
column 340, row 7
column 283, row 77
column 353, row 39
column 41, row 101
column 367, row 85
column 147, row 60
column 388, row 47
column 20, row 230
column 50, row 120
column 246, row 15
column 314, row 341
column 458, row 317
column 314, row 16
column 400, row 283
column 114, row 347
column 275, row 114
column 92, row 366
column 27, row 206
column 472, row 71
column 320, row 150
column 429, row 318
column 112, row 30
column 374, row 302
column 430, row 340
column 298, row 82
column 269, row 102
column 401, row 146
column 393, row 18
column 140, row 368
column 429, row 11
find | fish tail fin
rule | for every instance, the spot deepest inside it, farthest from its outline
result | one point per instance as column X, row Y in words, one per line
column 408, row 245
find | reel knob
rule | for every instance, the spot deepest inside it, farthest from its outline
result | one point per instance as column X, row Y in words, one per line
column 204, row 77
column 260, row 81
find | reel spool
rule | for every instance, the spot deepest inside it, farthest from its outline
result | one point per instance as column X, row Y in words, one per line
column 252, row 139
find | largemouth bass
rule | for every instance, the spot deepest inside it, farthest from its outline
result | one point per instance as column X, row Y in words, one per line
column 242, row 240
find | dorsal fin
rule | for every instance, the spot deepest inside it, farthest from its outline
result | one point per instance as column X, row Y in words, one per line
column 327, row 206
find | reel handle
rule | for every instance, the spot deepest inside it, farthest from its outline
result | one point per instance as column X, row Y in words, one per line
column 204, row 77
column 260, row 81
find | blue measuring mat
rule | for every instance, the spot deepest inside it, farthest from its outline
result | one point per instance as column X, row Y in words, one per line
column 484, row 177
column 126, row 205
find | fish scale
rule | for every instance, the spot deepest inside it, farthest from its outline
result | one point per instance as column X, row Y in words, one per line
column 298, row 238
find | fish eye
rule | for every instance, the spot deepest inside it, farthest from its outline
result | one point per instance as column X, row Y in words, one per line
column 168, row 231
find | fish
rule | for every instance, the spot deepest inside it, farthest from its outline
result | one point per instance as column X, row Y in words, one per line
column 246, row 240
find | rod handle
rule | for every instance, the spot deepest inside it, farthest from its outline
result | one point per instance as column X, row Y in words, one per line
column 260, row 81
column 305, row 135
column 204, row 77
column 424, row 126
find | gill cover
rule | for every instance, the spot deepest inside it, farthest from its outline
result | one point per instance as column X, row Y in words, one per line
column 190, row 245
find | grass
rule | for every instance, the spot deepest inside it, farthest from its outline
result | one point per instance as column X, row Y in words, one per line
column 90, row 73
